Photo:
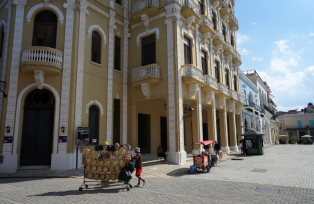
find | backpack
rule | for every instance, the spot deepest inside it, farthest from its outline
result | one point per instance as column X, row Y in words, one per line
column 131, row 166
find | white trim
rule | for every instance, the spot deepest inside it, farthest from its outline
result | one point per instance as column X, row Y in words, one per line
column 154, row 30
column 44, row 5
column 189, row 35
column 97, row 27
column 94, row 102
column 151, row 19
column 56, row 116
column 248, row 121
column 204, row 47
column 3, row 3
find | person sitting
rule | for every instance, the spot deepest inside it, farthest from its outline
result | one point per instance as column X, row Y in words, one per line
column 161, row 153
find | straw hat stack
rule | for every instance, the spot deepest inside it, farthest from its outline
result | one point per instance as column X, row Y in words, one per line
column 102, row 168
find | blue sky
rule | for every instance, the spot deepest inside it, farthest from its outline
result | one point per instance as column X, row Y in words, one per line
column 276, row 38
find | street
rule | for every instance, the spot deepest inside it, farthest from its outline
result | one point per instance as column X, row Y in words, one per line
column 283, row 175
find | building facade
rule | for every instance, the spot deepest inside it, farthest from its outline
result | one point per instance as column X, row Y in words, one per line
column 132, row 71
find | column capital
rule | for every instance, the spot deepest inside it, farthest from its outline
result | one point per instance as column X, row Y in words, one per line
column 69, row 5
column 20, row 2
column 112, row 21
column 9, row 4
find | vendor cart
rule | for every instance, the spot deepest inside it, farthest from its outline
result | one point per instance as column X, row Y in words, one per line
column 201, row 159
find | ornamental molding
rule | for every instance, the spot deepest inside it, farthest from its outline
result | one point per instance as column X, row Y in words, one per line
column 193, row 89
column 173, row 10
column 97, row 27
column 222, row 102
column 94, row 102
column 231, row 106
column 204, row 47
column 215, row 5
column 209, row 96
column 185, row 32
column 71, row 5
column 190, row 20
column 145, row 90
column 238, row 110
column 145, row 19
column 112, row 20
column 139, row 36
column 39, row 78
column 46, row 4
column 20, row 2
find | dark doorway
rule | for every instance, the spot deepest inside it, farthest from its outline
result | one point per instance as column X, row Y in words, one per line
column 205, row 134
column 218, row 131
column 301, row 134
column 93, row 123
column 45, row 29
column 144, row 133
column 246, row 129
column 37, row 133
column 163, row 133
column 116, row 121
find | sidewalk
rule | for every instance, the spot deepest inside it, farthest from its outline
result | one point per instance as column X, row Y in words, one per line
column 151, row 169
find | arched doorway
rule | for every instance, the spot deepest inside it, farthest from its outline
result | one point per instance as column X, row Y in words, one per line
column 94, row 123
column 37, row 134
column 45, row 29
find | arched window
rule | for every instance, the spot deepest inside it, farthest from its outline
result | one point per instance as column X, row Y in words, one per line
column 251, row 97
column 94, row 123
column 231, row 40
column 45, row 29
column 200, row 4
column 214, row 20
column 224, row 32
column 96, row 47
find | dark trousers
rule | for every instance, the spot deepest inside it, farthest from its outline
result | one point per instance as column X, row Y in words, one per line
column 163, row 155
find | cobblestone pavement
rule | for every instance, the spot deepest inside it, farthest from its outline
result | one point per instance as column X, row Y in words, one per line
column 285, row 174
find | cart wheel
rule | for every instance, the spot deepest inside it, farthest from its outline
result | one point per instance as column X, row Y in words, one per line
column 86, row 186
column 80, row 189
column 208, row 169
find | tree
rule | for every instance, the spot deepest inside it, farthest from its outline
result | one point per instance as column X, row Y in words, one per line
column 310, row 104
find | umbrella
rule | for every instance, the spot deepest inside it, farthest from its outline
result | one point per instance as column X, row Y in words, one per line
column 307, row 136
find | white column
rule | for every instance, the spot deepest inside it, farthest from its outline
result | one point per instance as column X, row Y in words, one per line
column 6, row 43
column 215, row 117
column 234, row 148
column 200, row 108
column 10, row 155
column 112, row 27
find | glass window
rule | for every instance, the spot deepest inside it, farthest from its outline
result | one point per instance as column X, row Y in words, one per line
column 117, row 53
column 235, row 83
column 45, row 29
column 200, row 4
column 227, row 77
column 204, row 62
column 232, row 40
column 96, row 47
column 214, row 20
column 187, row 51
column 94, row 123
column 224, row 32
column 217, row 71
column 119, row 2
column 149, row 50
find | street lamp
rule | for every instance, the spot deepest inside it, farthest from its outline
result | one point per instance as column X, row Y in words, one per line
column 190, row 111
column 7, row 128
column 165, row 105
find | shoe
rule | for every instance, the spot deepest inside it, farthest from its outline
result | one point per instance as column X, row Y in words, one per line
column 144, row 182
column 166, row 162
column 137, row 185
column 130, row 186
column 127, row 187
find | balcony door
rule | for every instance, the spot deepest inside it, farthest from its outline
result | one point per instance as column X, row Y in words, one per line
column 45, row 29
column 144, row 133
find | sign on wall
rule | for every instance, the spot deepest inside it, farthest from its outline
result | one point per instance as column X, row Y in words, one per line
column 63, row 139
column 7, row 139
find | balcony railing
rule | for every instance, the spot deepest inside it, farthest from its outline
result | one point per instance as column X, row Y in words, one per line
column 268, row 109
column 233, row 94
column 225, row 6
column 256, row 107
column 205, row 20
column 233, row 18
column 223, row 88
column 210, row 81
column 238, row 55
column 190, row 70
column 240, row 98
column 145, row 72
column 42, row 54
column 144, row 4
column 191, row 4
column 219, row 36
column 272, row 102
column 229, row 46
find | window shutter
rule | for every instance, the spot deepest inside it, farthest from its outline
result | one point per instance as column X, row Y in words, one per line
column 149, row 50
column 204, row 63
column 116, row 121
column 117, row 53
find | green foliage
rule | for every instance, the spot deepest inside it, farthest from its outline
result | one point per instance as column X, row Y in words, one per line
column 286, row 138
column 294, row 138
column 303, row 139
column 293, row 142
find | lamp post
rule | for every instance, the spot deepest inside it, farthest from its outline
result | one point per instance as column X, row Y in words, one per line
column 190, row 112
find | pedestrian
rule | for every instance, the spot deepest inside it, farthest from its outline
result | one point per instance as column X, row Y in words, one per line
column 138, row 166
column 240, row 145
column 217, row 147
column 161, row 153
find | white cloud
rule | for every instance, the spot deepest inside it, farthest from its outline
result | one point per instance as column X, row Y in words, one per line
column 244, row 51
column 282, row 64
column 311, row 34
column 257, row 58
column 282, row 46
column 242, row 38
column 253, row 23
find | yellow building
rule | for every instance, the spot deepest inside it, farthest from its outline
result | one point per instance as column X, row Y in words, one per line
column 130, row 70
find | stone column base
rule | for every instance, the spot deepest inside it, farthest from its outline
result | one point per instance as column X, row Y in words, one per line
column 176, row 157
column 234, row 148
column 225, row 150
column 9, row 164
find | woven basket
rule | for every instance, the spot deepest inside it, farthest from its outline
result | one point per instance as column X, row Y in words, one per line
column 107, row 163
column 111, row 169
column 104, row 183
column 117, row 175
column 99, row 169
column 117, row 168
column 87, row 151
column 113, row 162
column 121, row 163
column 113, row 176
column 107, row 176
column 101, row 163
column 89, row 175
column 88, row 160
column 105, row 169
column 94, row 153
column 97, row 176
column 122, row 152
column 94, row 168
column 116, row 153
column 87, row 168
column 102, row 177
column 95, row 162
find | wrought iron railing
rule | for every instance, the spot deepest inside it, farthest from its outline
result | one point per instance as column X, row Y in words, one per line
column 256, row 107
column 272, row 102
column 190, row 70
column 144, row 4
column 210, row 81
column 146, row 71
column 233, row 18
column 42, row 54
column 268, row 109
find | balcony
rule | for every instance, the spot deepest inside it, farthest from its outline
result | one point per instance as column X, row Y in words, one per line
column 192, row 75
column 241, row 99
column 233, row 94
column 236, row 58
column 148, row 7
column 149, row 74
column 229, row 49
column 269, row 109
column 225, row 9
column 206, row 25
column 190, row 8
column 233, row 22
column 219, row 39
column 210, row 84
column 45, row 59
column 256, row 107
column 223, row 89
column 272, row 102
